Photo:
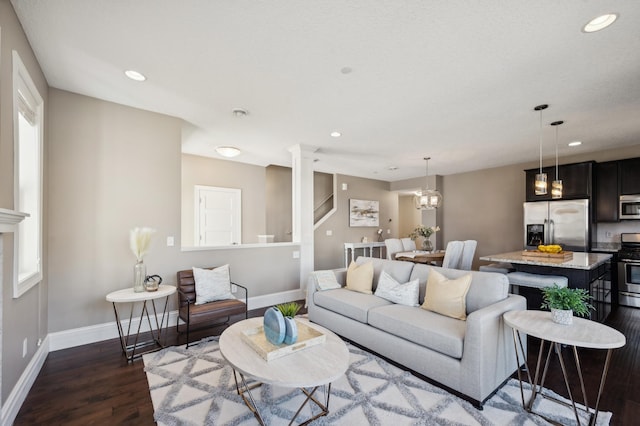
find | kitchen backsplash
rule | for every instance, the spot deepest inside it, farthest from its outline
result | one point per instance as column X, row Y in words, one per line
column 610, row 232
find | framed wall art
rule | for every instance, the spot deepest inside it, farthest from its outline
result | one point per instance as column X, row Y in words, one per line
column 363, row 213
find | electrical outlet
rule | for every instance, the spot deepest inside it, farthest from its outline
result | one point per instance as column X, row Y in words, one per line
column 329, row 232
column 296, row 254
column 234, row 288
column 25, row 345
column 170, row 242
column 608, row 234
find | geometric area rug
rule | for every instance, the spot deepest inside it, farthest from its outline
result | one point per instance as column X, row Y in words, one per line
column 195, row 386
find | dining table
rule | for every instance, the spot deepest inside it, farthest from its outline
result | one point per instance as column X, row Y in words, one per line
column 421, row 256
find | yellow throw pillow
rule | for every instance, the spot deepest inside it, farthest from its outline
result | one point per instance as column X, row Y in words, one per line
column 445, row 296
column 360, row 277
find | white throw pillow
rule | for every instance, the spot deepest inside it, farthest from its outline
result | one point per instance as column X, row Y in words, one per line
column 212, row 284
column 403, row 294
column 326, row 280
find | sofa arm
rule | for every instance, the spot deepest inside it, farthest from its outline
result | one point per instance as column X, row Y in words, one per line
column 489, row 356
column 312, row 284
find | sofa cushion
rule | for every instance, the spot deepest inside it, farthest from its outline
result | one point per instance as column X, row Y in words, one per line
column 360, row 277
column 400, row 271
column 486, row 288
column 447, row 297
column 431, row 330
column 351, row 304
column 393, row 291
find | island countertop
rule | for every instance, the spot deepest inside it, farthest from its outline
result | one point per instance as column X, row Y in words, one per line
column 586, row 261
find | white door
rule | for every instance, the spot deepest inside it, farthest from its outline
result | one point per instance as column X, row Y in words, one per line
column 218, row 216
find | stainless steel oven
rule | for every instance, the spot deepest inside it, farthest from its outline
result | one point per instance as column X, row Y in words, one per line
column 629, row 270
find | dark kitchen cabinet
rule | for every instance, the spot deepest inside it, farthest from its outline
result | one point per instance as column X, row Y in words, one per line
column 577, row 181
column 607, row 191
column 629, row 176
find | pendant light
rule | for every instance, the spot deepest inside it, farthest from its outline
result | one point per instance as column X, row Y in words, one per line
column 427, row 199
column 541, row 178
column 556, row 185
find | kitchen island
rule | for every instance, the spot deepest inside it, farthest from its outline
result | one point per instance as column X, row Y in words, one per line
column 589, row 271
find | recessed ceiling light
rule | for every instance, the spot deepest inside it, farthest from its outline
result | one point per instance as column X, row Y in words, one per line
column 336, row 134
column 135, row 75
column 346, row 70
column 228, row 151
column 576, row 143
column 600, row 23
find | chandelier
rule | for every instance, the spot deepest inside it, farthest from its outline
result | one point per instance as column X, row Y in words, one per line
column 427, row 199
column 541, row 178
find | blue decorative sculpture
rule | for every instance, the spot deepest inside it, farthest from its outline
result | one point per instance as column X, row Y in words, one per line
column 291, row 333
column 274, row 326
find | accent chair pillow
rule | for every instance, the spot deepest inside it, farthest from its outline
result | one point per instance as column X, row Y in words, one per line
column 403, row 294
column 212, row 284
column 445, row 296
column 326, row 280
column 360, row 277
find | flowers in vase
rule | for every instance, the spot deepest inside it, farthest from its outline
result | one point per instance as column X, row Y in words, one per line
column 423, row 231
column 140, row 239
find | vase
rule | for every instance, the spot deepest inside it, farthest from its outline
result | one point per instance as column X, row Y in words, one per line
column 562, row 316
column 291, row 331
column 426, row 244
column 274, row 326
column 139, row 275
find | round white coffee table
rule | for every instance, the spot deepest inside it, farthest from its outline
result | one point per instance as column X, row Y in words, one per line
column 127, row 295
column 582, row 333
column 307, row 369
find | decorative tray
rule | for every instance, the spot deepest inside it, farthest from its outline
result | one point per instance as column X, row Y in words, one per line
column 307, row 337
column 562, row 256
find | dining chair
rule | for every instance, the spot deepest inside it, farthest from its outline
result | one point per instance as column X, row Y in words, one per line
column 393, row 245
column 453, row 254
column 408, row 244
column 468, row 250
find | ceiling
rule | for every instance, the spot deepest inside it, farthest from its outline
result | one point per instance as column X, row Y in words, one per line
column 401, row 80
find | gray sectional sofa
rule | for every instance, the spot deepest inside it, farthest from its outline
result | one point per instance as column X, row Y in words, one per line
column 472, row 357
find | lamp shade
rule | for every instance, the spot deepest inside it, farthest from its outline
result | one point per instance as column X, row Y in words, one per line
column 428, row 199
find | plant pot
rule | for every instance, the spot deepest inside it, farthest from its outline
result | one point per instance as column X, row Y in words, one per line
column 562, row 316
column 291, row 331
column 426, row 245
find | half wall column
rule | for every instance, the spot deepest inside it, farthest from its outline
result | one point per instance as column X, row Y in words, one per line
column 302, row 202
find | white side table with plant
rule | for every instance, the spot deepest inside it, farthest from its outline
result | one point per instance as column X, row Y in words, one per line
column 580, row 332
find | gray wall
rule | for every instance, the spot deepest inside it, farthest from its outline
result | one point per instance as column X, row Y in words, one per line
column 329, row 250
column 226, row 174
column 99, row 192
column 25, row 317
column 278, row 202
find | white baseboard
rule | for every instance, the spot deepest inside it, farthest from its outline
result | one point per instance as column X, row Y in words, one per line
column 99, row 332
column 19, row 393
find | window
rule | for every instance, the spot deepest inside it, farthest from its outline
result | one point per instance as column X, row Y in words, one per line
column 28, row 136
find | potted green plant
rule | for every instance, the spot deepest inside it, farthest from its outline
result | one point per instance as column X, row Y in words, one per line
column 289, row 311
column 564, row 302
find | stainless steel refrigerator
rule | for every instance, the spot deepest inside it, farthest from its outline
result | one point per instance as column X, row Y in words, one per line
column 557, row 222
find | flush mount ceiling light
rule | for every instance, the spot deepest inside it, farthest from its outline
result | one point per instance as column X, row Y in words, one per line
column 228, row 151
column 600, row 23
column 541, row 178
column 427, row 199
column 240, row 112
column 135, row 75
column 336, row 134
column 556, row 185
column 575, row 143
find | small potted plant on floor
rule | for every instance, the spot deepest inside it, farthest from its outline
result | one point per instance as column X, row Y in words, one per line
column 564, row 302
column 289, row 311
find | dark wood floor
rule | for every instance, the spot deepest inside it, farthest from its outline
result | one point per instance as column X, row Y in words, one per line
column 94, row 385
